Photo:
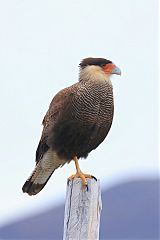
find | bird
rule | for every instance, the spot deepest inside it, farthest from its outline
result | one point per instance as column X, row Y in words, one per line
column 77, row 121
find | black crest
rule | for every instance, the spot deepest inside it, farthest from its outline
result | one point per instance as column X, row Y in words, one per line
column 94, row 61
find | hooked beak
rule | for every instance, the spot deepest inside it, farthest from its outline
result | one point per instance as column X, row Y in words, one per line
column 116, row 70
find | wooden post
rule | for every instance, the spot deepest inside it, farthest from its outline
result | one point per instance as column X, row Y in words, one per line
column 82, row 210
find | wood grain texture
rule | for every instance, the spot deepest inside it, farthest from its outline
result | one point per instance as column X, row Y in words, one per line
column 82, row 210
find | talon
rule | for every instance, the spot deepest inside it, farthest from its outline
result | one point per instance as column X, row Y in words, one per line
column 94, row 178
column 79, row 175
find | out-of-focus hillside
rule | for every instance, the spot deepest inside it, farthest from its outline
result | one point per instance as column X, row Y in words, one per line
column 130, row 211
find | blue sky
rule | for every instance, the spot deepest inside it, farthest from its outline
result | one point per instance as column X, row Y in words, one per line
column 41, row 45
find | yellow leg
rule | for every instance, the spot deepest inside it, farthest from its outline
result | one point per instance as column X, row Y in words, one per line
column 79, row 173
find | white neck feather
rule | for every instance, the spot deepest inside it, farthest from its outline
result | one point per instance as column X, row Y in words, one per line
column 93, row 73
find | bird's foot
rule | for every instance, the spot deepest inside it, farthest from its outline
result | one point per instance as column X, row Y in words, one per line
column 83, row 176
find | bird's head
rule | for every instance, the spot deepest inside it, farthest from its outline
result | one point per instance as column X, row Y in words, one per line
column 101, row 68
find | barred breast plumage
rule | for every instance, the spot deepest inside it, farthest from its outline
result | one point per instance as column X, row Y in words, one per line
column 85, row 121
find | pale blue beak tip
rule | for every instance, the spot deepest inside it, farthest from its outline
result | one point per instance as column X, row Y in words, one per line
column 117, row 71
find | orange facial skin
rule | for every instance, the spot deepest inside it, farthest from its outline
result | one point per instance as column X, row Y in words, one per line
column 108, row 68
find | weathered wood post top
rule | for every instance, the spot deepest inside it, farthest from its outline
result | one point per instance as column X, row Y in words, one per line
column 82, row 210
